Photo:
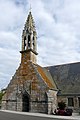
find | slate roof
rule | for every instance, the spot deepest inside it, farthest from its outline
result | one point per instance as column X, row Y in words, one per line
column 66, row 78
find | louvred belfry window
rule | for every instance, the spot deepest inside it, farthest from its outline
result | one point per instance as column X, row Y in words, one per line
column 29, row 41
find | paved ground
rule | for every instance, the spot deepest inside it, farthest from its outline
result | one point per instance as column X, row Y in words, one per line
column 10, row 115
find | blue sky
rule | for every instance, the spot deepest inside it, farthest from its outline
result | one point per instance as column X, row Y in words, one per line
column 58, row 31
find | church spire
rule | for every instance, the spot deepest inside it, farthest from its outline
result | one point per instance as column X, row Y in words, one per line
column 29, row 37
column 30, row 25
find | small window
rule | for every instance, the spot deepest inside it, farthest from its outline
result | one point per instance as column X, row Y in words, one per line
column 70, row 102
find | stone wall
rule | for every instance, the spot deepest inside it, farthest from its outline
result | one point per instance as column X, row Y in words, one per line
column 75, row 107
column 27, row 80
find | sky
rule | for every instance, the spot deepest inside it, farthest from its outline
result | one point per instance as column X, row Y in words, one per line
column 58, row 33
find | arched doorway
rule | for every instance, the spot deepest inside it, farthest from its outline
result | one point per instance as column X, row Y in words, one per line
column 46, row 103
column 25, row 100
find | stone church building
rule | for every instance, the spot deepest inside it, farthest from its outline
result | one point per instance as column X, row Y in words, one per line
column 39, row 89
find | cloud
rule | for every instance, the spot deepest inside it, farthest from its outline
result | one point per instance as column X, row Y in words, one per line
column 9, row 40
column 58, row 31
column 63, row 31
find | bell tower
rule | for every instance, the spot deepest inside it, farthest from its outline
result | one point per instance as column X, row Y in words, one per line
column 29, row 39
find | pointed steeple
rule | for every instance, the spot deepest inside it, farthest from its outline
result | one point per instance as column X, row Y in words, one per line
column 29, row 38
column 30, row 25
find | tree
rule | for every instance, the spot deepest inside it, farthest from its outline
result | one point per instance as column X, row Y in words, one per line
column 1, row 94
column 61, row 105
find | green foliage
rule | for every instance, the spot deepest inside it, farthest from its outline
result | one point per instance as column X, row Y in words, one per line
column 61, row 105
column 1, row 94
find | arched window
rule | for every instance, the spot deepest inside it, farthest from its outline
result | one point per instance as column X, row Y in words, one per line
column 33, row 40
column 24, row 42
column 28, row 40
column 46, row 102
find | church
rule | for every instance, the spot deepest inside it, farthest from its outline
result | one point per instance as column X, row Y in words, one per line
column 34, row 88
